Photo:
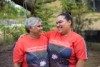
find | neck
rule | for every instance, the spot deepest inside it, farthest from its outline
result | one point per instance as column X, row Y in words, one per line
column 35, row 36
column 67, row 33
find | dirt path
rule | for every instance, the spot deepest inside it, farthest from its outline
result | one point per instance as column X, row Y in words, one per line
column 6, row 58
column 93, row 59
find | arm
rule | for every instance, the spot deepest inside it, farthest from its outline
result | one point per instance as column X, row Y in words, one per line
column 46, row 34
column 80, row 63
column 17, row 64
column 18, row 54
column 81, row 52
column 49, row 34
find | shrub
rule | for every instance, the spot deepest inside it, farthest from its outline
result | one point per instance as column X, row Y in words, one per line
column 10, row 34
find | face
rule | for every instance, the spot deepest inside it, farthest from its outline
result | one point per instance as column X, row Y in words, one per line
column 37, row 29
column 63, row 25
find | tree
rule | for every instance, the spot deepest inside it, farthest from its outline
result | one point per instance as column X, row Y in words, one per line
column 9, row 10
column 27, row 4
column 38, row 9
column 2, row 3
column 78, row 8
column 30, row 4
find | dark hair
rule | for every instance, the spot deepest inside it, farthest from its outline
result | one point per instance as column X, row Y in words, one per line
column 68, row 16
column 27, row 30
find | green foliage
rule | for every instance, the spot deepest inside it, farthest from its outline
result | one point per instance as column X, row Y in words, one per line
column 67, row 4
column 43, row 1
column 17, row 31
column 78, row 9
column 43, row 12
column 10, row 11
column 10, row 34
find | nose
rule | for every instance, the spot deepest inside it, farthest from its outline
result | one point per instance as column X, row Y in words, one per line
column 41, row 28
column 57, row 24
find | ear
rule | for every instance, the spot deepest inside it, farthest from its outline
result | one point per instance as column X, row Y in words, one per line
column 69, row 21
column 30, row 28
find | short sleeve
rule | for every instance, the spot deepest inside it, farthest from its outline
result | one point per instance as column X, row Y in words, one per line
column 80, row 49
column 47, row 34
column 18, row 53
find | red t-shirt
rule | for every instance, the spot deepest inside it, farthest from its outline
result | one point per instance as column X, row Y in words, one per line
column 31, row 52
column 65, row 51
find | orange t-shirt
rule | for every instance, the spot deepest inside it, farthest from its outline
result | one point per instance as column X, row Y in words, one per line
column 31, row 52
column 65, row 51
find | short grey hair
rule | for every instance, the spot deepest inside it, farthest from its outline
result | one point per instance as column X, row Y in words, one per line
column 31, row 22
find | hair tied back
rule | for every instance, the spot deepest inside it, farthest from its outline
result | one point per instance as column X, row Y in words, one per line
column 68, row 12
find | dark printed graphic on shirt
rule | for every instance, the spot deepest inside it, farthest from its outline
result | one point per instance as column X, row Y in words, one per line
column 37, row 59
column 59, row 56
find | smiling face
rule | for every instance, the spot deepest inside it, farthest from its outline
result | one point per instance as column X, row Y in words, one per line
column 63, row 25
column 37, row 29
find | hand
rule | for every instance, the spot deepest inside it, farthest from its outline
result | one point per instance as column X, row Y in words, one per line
column 17, row 64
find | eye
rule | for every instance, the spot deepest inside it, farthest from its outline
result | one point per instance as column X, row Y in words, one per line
column 39, row 25
column 59, row 22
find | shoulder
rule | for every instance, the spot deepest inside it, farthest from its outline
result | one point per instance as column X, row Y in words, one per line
column 76, row 35
column 20, row 43
column 43, row 36
column 22, row 38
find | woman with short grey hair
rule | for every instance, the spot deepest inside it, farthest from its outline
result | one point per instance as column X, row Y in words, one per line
column 31, row 22
column 31, row 49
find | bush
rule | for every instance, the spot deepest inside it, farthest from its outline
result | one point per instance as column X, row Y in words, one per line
column 10, row 34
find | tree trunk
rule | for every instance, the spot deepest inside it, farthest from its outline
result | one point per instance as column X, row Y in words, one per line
column 2, row 2
column 27, row 4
